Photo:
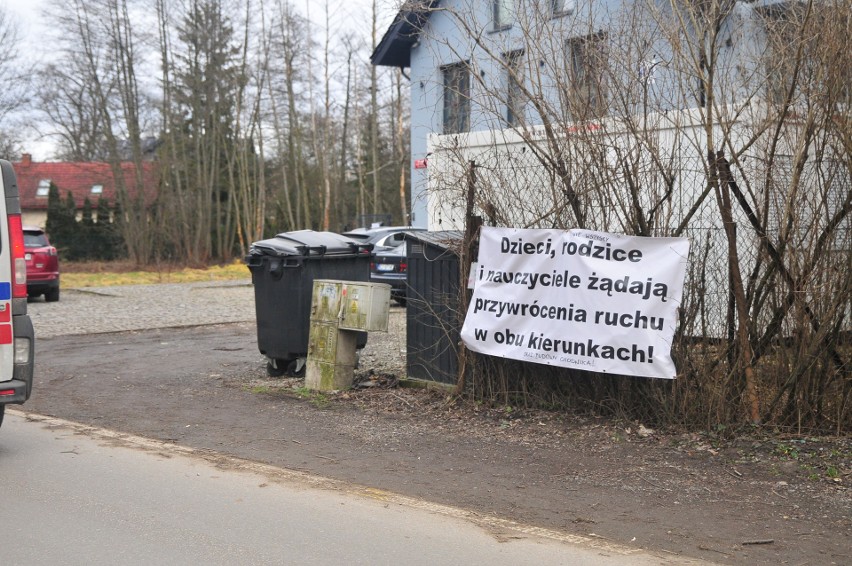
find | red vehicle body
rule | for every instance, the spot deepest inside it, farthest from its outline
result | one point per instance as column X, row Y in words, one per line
column 42, row 265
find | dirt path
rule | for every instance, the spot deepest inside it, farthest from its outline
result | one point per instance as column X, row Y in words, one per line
column 205, row 387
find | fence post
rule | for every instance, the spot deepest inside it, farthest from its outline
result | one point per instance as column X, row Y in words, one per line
column 467, row 253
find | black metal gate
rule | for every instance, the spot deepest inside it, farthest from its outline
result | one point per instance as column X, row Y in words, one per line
column 432, row 315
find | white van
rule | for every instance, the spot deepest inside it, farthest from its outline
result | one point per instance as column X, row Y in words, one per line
column 17, row 338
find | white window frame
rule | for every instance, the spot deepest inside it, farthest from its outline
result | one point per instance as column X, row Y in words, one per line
column 503, row 13
column 560, row 8
column 586, row 60
column 515, row 99
column 43, row 189
column 456, row 95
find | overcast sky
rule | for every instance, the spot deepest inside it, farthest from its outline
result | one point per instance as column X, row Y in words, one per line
column 23, row 8
column 27, row 15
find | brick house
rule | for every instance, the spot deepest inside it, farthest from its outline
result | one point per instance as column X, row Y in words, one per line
column 92, row 180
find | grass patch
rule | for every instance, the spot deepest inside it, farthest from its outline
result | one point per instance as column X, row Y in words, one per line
column 276, row 391
column 92, row 274
column 316, row 398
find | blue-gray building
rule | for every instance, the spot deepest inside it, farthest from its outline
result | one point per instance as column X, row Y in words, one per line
column 497, row 65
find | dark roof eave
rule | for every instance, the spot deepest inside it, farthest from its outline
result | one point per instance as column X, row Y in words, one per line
column 394, row 50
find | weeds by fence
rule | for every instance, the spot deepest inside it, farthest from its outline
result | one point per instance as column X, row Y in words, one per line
column 764, row 328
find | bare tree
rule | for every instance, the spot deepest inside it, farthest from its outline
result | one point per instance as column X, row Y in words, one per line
column 15, row 75
column 70, row 106
column 291, row 45
column 374, row 113
column 245, row 165
column 244, row 147
column 719, row 121
column 400, row 147
column 97, row 40
column 205, row 82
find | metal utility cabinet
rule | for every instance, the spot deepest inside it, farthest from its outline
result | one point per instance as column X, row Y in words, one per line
column 340, row 311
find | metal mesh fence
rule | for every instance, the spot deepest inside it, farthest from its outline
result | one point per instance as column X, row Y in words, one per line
column 791, row 240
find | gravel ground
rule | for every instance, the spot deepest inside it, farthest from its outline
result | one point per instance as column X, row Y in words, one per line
column 93, row 310
column 138, row 307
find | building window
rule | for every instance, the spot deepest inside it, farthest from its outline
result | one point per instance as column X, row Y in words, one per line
column 456, row 98
column 817, row 62
column 515, row 99
column 43, row 189
column 561, row 7
column 97, row 189
column 586, row 69
column 504, row 13
column 782, row 28
column 845, row 96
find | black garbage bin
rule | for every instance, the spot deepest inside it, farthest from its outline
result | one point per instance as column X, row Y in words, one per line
column 283, row 270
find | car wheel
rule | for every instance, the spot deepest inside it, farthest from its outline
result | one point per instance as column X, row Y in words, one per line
column 2, row 412
column 400, row 301
column 52, row 295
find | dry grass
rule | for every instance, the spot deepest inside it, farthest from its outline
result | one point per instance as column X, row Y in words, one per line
column 106, row 274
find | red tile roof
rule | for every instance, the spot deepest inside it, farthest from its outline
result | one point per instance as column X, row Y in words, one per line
column 78, row 178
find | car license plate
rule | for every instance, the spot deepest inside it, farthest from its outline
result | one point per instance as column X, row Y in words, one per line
column 384, row 267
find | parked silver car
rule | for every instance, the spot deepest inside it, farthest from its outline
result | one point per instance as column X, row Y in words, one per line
column 389, row 264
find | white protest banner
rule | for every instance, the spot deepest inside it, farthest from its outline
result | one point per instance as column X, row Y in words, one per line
column 579, row 299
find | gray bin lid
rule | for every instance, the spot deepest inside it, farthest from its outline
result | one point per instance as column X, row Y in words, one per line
column 309, row 243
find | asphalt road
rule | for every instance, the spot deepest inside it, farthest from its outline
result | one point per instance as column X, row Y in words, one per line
column 81, row 495
column 179, row 364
